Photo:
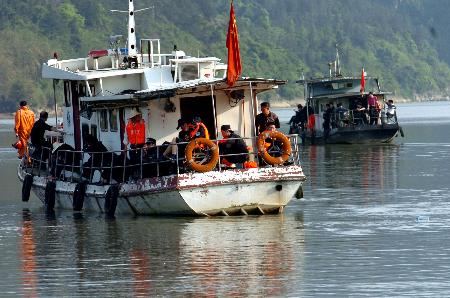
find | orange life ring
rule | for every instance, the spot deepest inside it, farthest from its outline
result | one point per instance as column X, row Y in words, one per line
column 286, row 149
column 212, row 159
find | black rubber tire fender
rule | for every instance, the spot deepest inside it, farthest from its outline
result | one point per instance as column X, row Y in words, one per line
column 78, row 196
column 26, row 187
column 111, row 200
column 50, row 195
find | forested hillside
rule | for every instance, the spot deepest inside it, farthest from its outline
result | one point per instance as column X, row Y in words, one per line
column 404, row 42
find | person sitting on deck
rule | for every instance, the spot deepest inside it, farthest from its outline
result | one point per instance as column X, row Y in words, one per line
column 341, row 115
column 174, row 149
column 359, row 114
column 103, row 161
column 232, row 147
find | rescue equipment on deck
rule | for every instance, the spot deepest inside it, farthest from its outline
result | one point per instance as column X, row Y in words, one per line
column 212, row 155
column 286, row 149
column 26, row 187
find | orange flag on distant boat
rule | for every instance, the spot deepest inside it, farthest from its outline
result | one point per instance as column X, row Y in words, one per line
column 234, row 57
column 363, row 81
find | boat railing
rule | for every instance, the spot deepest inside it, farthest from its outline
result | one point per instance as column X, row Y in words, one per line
column 352, row 118
column 133, row 164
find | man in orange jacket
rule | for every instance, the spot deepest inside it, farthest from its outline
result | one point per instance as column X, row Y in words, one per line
column 24, row 121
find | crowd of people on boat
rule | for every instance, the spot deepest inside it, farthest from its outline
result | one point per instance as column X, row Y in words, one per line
column 333, row 117
column 144, row 158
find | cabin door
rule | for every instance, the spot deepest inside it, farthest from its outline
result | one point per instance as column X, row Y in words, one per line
column 203, row 107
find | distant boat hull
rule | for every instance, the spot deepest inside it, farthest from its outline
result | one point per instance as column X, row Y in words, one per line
column 232, row 192
column 363, row 135
column 366, row 134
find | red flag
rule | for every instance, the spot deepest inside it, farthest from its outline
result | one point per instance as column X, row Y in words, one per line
column 234, row 57
column 363, row 82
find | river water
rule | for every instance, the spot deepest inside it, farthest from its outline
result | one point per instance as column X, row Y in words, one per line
column 373, row 222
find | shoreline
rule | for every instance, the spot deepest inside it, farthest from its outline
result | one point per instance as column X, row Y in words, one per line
column 274, row 104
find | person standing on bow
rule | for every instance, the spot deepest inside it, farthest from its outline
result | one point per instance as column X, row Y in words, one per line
column 24, row 121
column 265, row 117
column 374, row 109
column 136, row 135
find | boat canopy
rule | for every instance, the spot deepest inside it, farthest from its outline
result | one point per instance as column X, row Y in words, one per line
column 201, row 85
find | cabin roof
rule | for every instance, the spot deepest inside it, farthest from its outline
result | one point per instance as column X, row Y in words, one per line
column 187, row 87
column 332, row 79
column 346, row 94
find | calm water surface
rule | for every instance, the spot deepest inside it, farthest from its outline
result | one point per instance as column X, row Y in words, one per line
column 374, row 222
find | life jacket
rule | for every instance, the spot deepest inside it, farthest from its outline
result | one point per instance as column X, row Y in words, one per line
column 311, row 122
column 136, row 132
column 196, row 130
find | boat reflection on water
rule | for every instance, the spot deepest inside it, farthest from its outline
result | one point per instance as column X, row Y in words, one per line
column 167, row 256
column 351, row 166
column 29, row 279
column 246, row 259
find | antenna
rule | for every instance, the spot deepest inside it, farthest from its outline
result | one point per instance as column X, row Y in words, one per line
column 337, row 66
column 132, row 52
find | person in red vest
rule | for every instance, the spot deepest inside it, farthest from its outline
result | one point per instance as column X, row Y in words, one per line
column 136, row 135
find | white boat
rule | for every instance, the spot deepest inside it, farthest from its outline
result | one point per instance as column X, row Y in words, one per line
column 100, row 92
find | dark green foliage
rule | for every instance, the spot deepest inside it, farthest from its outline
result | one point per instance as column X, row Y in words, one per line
column 405, row 43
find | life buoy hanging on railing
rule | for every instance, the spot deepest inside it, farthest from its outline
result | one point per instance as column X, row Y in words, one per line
column 286, row 149
column 210, row 160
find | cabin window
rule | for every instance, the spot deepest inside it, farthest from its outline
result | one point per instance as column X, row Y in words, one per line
column 189, row 72
column 113, row 116
column 104, row 120
column 220, row 73
column 337, row 86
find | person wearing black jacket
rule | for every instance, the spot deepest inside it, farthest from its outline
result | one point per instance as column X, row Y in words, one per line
column 265, row 117
column 233, row 144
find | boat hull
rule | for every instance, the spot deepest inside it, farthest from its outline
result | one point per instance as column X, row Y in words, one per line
column 233, row 192
column 358, row 135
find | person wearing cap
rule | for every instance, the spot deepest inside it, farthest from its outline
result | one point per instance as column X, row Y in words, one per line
column 233, row 148
column 136, row 135
column 24, row 121
column 265, row 117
